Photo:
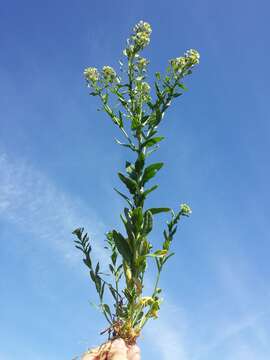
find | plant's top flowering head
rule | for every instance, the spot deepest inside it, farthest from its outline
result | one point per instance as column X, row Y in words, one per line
column 185, row 209
column 191, row 58
column 91, row 75
column 139, row 39
column 109, row 74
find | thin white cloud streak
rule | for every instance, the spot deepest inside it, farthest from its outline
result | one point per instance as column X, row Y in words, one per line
column 233, row 334
column 30, row 201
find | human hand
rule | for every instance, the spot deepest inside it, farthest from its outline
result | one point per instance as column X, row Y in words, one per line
column 114, row 350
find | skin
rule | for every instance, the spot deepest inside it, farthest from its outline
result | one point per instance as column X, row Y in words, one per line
column 114, row 350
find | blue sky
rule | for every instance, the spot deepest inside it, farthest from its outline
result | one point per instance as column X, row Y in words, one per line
column 58, row 164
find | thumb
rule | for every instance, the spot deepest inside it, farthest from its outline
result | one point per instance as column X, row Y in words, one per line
column 118, row 350
column 134, row 353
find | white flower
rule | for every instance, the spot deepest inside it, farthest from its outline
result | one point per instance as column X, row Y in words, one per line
column 109, row 74
column 185, row 209
column 91, row 74
column 193, row 56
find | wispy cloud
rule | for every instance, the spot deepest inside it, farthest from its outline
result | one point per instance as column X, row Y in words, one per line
column 31, row 201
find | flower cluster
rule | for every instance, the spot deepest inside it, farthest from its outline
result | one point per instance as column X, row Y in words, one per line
column 109, row 74
column 185, row 209
column 91, row 75
column 142, row 32
column 142, row 63
column 141, row 36
column 191, row 58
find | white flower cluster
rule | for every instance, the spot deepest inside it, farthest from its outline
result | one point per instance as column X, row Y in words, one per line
column 142, row 32
column 91, row 74
column 142, row 63
column 109, row 74
column 191, row 58
column 185, row 209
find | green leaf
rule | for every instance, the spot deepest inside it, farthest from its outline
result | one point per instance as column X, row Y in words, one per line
column 107, row 309
column 148, row 191
column 158, row 92
column 78, row 232
column 125, row 145
column 167, row 257
column 151, row 171
column 130, row 183
column 139, row 164
column 182, row 86
column 177, row 94
column 124, row 197
column 122, row 246
column 137, row 218
column 158, row 210
column 157, row 74
column 150, row 142
column 148, row 222
column 158, row 253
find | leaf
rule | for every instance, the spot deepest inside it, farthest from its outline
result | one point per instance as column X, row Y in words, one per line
column 128, row 226
column 153, row 141
column 148, row 222
column 107, row 309
column 122, row 246
column 158, row 253
column 157, row 74
column 139, row 164
column 148, row 191
column 124, row 197
column 150, row 171
column 111, row 268
column 137, row 218
column 158, row 210
column 97, row 269
column 130, row 183
column 167, row 257
column 158, row 92
column 182, row 86
column 93, row 276
column 125, row 145
column 78, row 232
column 113, row 292
column 177, row 94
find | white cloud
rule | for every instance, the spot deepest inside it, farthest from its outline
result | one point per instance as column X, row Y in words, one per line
column 30, row 200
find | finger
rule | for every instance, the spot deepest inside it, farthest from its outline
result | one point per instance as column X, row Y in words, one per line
column 118, row 350
column 134, row 353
